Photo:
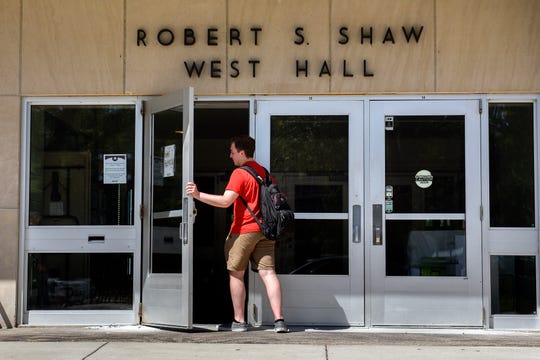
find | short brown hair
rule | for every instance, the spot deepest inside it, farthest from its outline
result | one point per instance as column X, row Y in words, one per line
column 245, row 143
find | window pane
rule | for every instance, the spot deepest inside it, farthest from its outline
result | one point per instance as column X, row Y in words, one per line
column 513, row 284
column 317, row 247
column 511, row 165
column 167, row 191
column 80, row 281
column 309, row 160
column 166, row 246
column 425, row 248
column 68, row 155
column 432, row 148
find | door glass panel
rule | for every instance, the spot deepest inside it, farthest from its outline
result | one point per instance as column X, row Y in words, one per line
column 425, row 248
column 167, row 192
column 309, row 160
column 80, row 281
column 425, row 174
column 74, row 179
column 321, row 250
column 513, row 284
column 425, row 163
column 511, row 165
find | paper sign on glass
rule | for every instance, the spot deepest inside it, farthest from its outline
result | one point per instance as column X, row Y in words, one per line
column 114, row 168
column 168, row 160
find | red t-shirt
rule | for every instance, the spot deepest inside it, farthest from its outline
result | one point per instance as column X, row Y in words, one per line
column 243, row 183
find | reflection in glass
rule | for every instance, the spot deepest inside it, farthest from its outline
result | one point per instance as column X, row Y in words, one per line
column 68, row 185
column 167, row 192
column 511, row 165
column 513, row 284
column 309, row 160
column 425, row 248
column 80, row 281
column 432, row 143
column 166, row 246
column 315, row 247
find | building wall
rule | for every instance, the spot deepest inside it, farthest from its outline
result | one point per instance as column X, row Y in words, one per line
column 9, row 157
column 91, row 47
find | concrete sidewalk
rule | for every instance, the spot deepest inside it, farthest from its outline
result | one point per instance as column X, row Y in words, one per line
column 181, row 351
column 141, row 342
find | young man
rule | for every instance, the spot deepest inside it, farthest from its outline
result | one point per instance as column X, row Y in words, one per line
column 245, row 241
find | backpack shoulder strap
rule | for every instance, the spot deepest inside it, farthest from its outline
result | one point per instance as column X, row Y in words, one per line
column 253, row 173
column 257, row 177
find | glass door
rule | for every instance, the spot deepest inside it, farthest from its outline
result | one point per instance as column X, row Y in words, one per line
column 314, row 150
column 168, row 213
column 425, row 213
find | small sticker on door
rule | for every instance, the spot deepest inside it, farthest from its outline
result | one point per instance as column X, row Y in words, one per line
column 423, row 179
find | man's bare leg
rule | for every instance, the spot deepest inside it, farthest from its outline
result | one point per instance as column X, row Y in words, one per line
column 238, row 294
column 273, row 289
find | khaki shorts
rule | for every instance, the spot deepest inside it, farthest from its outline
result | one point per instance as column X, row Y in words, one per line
column 241, row 248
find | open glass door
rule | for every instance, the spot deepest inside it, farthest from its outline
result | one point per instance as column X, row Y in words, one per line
column 168, row 214
column 425, row 230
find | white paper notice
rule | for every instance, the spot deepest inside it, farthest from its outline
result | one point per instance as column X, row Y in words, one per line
column 114, row 168
column 168, row 160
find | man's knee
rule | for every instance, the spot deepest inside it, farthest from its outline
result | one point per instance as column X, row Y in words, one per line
column 267, row 274
column 237, row 274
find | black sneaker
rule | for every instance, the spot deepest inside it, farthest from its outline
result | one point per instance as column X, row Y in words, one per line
column 280, row 326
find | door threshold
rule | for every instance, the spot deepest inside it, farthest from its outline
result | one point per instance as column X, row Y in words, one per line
column 207, row 327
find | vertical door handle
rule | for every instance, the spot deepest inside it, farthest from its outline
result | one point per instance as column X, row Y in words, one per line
column 377, row 224
column 357, row 224
column 186, row 218
column 183, row 232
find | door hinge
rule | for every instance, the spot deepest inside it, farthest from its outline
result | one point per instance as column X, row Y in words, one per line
column 141, row 211
column 481, row 213
column 139, row 312
column 389, row 123
column 480, row 109
column 255, row 107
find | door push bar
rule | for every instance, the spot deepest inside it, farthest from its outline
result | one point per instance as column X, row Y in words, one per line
column 377, row 224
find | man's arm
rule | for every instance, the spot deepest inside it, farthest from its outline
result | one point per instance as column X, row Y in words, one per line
column 222, row 201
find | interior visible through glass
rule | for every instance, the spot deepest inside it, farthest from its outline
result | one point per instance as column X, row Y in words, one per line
column 511, row 165
column 167, row 192
column 309, row 160
column 82, row 164
column 425, row 164
column 71, row 281
column 513, row 284
column 425, row 248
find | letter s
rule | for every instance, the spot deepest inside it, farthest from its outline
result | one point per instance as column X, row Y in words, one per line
column 299, row 33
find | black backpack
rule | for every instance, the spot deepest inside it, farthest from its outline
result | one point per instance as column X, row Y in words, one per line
column 276, row 213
